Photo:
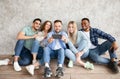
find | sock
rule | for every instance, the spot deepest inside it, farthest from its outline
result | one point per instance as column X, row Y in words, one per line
column 47, row 65
column 60, row 65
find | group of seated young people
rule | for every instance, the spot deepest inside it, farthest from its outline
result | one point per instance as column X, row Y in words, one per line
column 38, row 43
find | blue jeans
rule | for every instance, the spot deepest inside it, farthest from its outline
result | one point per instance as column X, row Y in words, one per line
column 49, row 53
column 94, row 54
column 25, row 54
column 35, row 46
column 69, row 54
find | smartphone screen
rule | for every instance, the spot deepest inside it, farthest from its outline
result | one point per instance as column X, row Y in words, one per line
column 57, row 36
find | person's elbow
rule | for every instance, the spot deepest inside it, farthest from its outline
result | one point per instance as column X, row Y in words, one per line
column 18, row 38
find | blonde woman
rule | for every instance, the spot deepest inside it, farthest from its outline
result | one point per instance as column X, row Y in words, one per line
column 80, row 43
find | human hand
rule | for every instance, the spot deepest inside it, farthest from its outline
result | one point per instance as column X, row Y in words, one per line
column 114, row 46
column 64, row 39
column 51, row 39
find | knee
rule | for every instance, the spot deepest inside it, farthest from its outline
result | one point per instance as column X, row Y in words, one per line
column 67, row 52
column 108, row 43
column 61, row 51
column 85, row 55
column 47, row 50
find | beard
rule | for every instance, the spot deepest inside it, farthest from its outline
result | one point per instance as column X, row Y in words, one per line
column 57, row 31
column 36, row 28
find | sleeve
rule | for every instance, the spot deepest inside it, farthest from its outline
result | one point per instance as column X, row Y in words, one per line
column 72, row 47
column 49, row 35
column 65, row 34
column 24, row 30
column 85, row 40
column 104, row 35
column 70, row 44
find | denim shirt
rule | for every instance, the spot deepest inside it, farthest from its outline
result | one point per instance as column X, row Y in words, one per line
column 53, row 44
column 80, row 38
column 96, row 33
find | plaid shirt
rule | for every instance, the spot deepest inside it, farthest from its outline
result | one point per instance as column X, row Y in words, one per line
column 96, row 33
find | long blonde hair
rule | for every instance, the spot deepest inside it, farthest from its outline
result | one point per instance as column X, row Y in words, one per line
column 72, row 36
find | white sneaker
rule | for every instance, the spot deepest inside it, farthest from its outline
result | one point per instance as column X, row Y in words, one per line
column 17, row 67
column 30, row 69
column 4, row 62
column 70, row 64
column 89, row 65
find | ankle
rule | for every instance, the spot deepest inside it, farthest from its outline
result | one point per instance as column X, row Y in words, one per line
column 34, row 61
column 114, row 59
column 60, row 65
column 47, row 65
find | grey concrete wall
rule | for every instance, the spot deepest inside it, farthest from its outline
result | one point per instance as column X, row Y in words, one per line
column 15, row 14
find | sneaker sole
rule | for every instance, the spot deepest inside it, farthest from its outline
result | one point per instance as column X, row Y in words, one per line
column 47, row 76
column 28, row 71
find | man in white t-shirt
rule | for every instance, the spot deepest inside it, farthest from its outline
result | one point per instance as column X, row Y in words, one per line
column 96, row 50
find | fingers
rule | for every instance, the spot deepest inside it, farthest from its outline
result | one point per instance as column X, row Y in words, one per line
column 35, row 35
column 64, row 39
column 51, row 39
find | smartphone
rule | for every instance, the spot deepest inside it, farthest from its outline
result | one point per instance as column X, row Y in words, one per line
column 57, row 36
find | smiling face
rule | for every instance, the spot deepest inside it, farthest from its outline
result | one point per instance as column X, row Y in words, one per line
column 57, row 27
column 36, row 25
column 85, row 25
column 71, row 28
column 47, row 26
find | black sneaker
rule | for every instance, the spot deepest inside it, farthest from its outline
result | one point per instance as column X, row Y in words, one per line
column 47, row 72
column 59, row 72
column 113, row 66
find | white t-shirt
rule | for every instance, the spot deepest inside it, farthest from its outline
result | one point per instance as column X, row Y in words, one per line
column 40, row 36
column 91, row 46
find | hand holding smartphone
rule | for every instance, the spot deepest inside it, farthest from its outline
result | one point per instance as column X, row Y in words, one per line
column 57, row 36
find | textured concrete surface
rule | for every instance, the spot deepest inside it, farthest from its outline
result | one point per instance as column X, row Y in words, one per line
column 15, row 14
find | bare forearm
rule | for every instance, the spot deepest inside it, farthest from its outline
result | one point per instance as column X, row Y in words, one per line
column 24, row 37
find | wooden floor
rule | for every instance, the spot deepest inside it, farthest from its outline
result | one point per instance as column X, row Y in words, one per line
column 77, row 72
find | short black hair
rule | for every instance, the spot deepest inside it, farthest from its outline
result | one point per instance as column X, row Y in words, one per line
column 86, row 19
column 36, row 19
column 57, row 21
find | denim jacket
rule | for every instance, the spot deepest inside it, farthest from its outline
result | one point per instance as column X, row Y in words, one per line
column 62, row 44
column 80, row 38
